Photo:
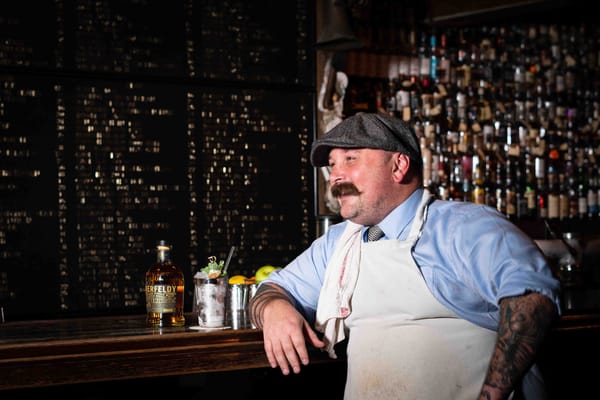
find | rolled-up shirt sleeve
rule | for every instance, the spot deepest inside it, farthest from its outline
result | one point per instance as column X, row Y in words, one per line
column 303, row 276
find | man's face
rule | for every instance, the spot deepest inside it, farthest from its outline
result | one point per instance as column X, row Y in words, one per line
column 361, row 180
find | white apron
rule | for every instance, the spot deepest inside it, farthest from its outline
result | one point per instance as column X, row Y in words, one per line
column 403, row 344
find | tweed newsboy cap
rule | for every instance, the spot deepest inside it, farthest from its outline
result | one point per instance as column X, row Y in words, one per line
column 366, row 130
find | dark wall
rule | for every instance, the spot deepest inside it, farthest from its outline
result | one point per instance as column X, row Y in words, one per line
column 122, row 122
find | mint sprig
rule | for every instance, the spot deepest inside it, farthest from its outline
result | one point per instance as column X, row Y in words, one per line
column 213, row 269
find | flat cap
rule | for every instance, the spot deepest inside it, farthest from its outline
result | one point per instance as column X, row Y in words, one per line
column 368, row 130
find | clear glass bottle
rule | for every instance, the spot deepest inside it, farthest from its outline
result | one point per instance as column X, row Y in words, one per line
column 164, row 290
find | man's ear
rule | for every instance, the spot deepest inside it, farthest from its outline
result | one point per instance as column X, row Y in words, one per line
column 400, row 166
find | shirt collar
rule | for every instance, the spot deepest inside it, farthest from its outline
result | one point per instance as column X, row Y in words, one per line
column 397, row 223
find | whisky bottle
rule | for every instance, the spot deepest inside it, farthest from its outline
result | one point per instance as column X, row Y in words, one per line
column 164, row 290
column 510, row 191
column 478, row 189
column 529, row 193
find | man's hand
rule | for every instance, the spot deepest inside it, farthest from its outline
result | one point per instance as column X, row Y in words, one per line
column 285, row 331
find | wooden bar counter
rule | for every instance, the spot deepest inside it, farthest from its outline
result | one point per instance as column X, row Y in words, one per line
column 78, row 350
column 56, row 352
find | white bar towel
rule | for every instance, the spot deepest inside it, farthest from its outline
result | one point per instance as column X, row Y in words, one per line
column 337, row 289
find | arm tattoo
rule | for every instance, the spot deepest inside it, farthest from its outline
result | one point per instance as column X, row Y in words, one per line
column 265, row 294
column 524, row 322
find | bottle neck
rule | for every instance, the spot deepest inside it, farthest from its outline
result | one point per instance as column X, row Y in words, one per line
column 163, row 253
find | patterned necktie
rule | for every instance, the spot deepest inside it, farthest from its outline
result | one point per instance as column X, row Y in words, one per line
column 374, row 233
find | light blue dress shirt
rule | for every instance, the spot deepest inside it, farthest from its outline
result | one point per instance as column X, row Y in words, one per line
column 470, row 256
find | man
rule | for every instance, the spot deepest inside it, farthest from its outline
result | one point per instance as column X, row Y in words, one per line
column 453, row 302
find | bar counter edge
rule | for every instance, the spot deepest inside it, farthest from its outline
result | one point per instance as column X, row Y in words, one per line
column 80, row 350
column 44, row 353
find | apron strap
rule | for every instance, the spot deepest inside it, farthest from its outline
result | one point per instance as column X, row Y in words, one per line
column 420, row 216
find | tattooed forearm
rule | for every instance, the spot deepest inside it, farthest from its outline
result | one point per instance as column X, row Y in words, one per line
column 266, row 293
column 524, row 321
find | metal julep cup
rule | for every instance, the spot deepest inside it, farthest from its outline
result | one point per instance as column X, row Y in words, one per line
column 211, row 295
column 237, row 305
column 238, row 298
column 252, row 290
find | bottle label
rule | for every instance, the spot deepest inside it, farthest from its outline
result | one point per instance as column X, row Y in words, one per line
column 582, row 205
column 161, row 298
column 511, row 205
column 553, row 206
column 531, row 197
column 563, row 206
column 478, row 195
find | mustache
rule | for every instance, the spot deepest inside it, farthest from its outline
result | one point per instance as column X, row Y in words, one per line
column 344, row 188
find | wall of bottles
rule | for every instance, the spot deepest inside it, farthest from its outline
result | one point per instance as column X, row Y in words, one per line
column 508, row 115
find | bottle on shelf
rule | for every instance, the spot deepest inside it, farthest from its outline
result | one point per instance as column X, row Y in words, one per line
column 489, row 180
column 427, row 161
column 443, row 62
column 542, row 198
column 478, row 190
column 539, row 168
column 553, row 178
column 434, row 63
column 592, row 195
column 500, row 186
column 530, row 189
column 510, row 189
column 477, row 166
column 424, row 54
column 563, row 197
column 456, row 180
column 582, row 180
column 164, row 290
